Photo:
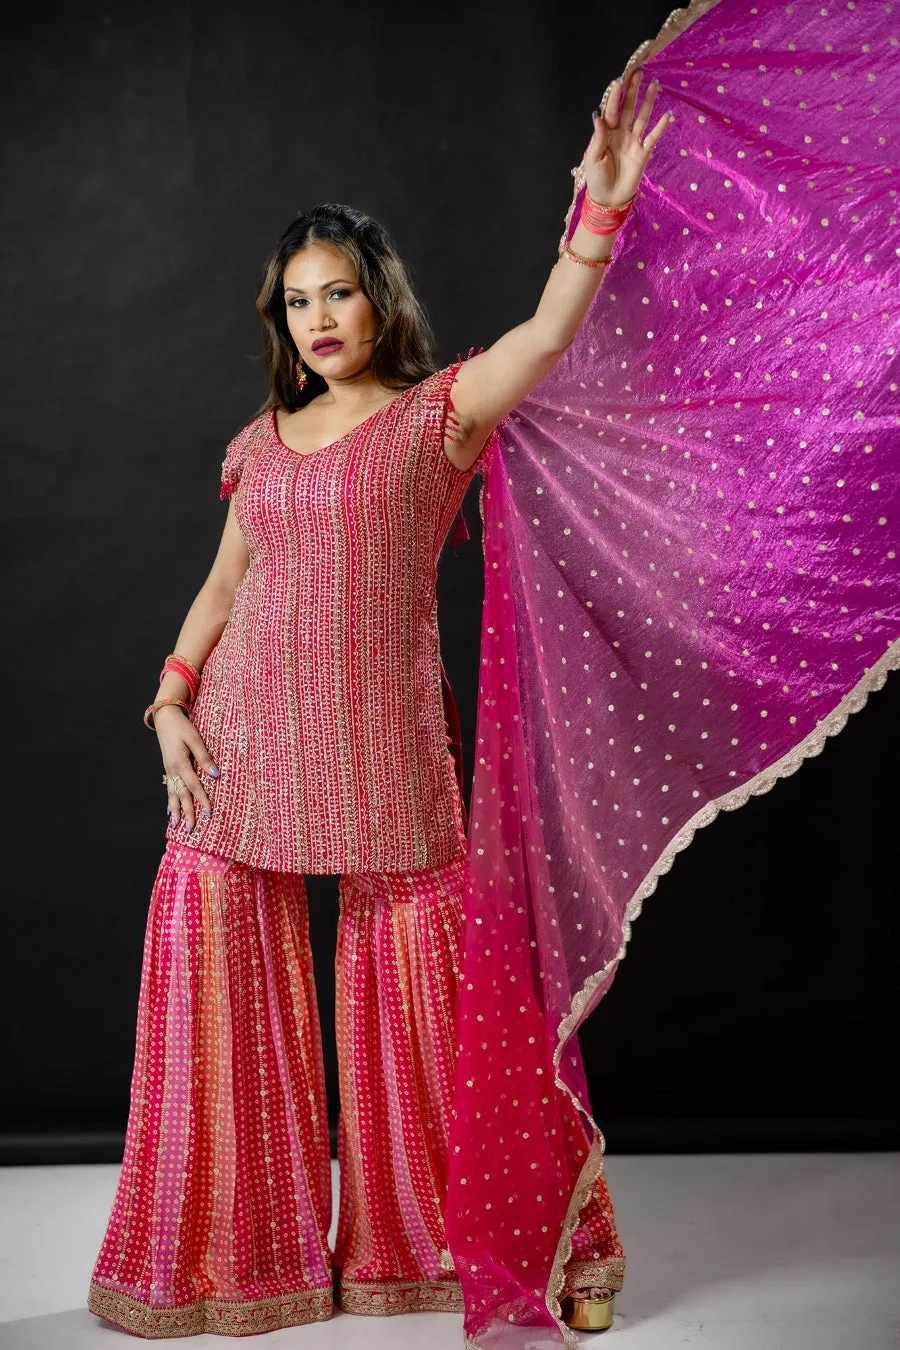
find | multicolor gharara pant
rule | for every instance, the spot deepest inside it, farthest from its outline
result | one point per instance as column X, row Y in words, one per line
column 220, row 1221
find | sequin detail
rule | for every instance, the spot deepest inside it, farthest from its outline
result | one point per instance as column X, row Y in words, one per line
column 322, row 703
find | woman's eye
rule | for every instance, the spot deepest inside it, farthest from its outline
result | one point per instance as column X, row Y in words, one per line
column 299, row 300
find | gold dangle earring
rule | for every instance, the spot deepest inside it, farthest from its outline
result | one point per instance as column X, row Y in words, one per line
column 301, row 374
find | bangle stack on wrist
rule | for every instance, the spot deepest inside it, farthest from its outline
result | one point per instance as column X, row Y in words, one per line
column 601, row 220
column 178, row 665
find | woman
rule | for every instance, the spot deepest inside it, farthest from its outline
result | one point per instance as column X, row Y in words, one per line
column 691, row 544
column 317, row 742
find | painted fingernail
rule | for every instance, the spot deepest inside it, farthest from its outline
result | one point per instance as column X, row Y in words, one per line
column 207, row 812
column 213, row 771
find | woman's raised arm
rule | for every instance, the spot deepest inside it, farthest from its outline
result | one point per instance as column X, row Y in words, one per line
column 491, row 384
column 179, row 740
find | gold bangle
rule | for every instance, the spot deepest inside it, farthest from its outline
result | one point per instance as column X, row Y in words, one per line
column 586, row 262
column 150, row 712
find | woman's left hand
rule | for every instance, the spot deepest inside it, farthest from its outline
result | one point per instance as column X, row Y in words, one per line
column 617, row 154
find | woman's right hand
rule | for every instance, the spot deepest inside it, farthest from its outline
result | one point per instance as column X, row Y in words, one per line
column 179, row 741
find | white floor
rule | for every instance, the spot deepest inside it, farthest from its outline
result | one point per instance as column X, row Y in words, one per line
column 763, row 1252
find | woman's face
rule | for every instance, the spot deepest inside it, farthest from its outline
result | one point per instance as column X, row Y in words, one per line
column 323, row 300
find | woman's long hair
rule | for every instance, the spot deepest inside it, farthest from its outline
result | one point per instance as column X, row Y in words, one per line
column 404, row 349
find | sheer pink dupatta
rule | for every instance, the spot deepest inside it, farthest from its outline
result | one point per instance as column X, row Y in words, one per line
column 690, row 535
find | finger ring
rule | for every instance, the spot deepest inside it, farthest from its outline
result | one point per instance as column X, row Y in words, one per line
column 165, row 780
column 177, row 784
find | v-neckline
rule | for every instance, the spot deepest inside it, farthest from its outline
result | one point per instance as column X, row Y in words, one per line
column 310, row 454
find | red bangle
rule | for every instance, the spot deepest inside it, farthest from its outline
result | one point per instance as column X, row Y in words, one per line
column 601, row 219
column 180, row 665
column 164, row 703
column 175, row 656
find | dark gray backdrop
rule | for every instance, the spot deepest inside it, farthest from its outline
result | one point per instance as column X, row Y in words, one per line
column 152, row 155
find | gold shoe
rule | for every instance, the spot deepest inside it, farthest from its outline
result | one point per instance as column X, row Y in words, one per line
column 594, row 1313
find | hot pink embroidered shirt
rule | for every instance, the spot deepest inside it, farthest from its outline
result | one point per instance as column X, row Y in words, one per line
column 322, row 703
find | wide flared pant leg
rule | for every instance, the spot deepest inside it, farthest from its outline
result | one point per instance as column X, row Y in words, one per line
column 397, row 970
column 221, row 1216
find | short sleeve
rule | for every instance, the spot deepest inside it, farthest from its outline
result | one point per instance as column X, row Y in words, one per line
column 436, row 395
column 236, row 457
column 442, row 420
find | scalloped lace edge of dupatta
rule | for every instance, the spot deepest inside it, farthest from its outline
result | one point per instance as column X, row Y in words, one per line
column 763, row 782
column 812, row 745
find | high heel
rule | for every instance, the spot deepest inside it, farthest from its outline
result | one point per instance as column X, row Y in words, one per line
column 594, row 1313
